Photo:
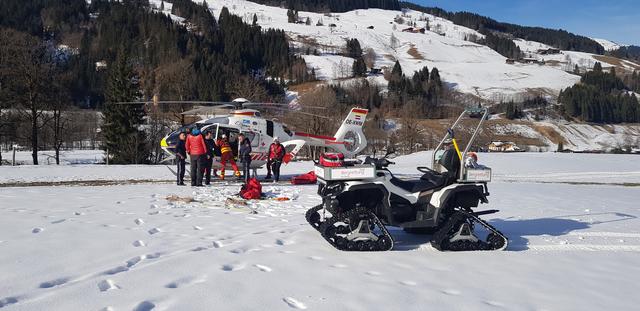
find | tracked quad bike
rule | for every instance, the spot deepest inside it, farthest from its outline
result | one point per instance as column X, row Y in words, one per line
column 361, row 198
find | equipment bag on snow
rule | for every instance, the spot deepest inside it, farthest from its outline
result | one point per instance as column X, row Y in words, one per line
column 332, row 159
column 305, row 179
column 252, row 190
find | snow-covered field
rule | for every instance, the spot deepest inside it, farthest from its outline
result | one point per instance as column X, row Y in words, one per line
column 574, row 246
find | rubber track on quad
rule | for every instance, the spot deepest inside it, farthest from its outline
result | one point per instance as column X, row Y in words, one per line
column 384, row 243
column 441, row 239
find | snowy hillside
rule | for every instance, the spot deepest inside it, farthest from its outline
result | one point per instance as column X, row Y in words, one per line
column 468, row 67
column 573, row 230
column 608, row 45
column 567, row 60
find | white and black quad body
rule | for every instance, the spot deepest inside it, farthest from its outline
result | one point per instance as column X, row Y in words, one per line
column 361, row 199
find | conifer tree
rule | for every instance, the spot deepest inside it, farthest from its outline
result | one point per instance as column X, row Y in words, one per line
column 359, row 67
column 123, row 139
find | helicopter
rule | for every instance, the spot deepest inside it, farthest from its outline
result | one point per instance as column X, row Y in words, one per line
column 244, row 119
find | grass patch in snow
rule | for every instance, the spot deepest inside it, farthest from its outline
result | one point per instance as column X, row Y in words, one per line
column 413, row 51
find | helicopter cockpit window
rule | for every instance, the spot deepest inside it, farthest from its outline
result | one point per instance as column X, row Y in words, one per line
column 219, row 120
column 286, row 130
column 270, row 128
column 254, row 138
column 257, row 114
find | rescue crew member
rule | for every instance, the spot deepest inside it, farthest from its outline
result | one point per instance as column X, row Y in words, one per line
column 245, row 157
column 226, row 156
column 276, row 155
column 210, row 143
column 197, row 150
column 181, row 158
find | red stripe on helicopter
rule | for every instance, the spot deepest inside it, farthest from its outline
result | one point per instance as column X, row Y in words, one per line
column 244, row 113
column 315, row 136
column 365, row 111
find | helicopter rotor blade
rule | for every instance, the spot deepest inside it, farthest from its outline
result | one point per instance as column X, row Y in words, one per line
column 302, row 112
column 274, row 105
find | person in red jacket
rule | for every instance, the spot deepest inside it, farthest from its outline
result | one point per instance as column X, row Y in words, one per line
column 197, row 150
column 276, row 155
column 226, row 155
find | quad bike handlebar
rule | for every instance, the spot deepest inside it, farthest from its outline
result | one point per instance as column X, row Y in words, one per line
column 380, row 163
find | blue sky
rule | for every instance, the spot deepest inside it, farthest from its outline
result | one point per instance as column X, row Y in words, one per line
column 616, row 20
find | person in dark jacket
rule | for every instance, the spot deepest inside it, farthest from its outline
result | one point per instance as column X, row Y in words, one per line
column 197, row 150
column 276, row 156
column 245, row 157
column 211, row 145
column 181, row 158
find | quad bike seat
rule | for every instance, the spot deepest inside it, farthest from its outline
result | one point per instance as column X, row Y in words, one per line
column 418, row 185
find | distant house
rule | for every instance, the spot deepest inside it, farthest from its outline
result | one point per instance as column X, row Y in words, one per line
column 332, row 25
column 549, row 51
column 503, row 146
column 510, row 61
column 530, row 60
column 375, row 71
column 101, row 65
column 410, row 29
column 370, row 27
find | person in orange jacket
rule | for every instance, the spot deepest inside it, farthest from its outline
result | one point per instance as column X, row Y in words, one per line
column 197, row 150
column 226, row 156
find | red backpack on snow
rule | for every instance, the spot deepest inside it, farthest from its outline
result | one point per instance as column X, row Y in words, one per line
column 305, row 179
column 252, row 190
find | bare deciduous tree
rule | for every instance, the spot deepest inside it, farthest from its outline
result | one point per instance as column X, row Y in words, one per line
column 30, row 80
column 370, row 58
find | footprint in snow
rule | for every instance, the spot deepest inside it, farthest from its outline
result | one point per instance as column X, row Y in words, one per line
column 78, row 213
column 139, row 243
column 317, row 258
column 451, row 292
column 106, row 285
column 139, row 221
column 263, row 268
column 154, row 213
column 8, row 301
column 116, row 270
column 283, row 242
column 154, row 206
column 58, row 221
column 197, row 228
column 54, row 283
column 184, row 282
column 218, row 244
column 199, row 248
column 293, row 303
column 373, row 273
column 154, row 231
column 339, row 266
column 408, row 283
column 493, row 303
column 107, row 309
column 37, row 230
column 233, row 267
column 145, row 306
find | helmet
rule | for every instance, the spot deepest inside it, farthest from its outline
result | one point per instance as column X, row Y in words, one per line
column 195, row 132
column 275, row 138
column 224, row 135
column 473, row 155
